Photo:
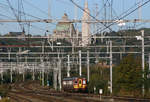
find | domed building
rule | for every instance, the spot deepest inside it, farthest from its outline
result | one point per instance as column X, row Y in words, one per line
column 64, row 29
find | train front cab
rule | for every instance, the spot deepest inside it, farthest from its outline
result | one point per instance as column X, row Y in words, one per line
column 75, row 85
column 80, row 84
column 84, row 85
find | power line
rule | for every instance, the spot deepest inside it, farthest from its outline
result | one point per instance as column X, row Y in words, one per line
column 108, row 27
column 5, row 16
column 89, row 14
column 21, row 12
column 63, row 1
column 17, row 17
column 32, row 5
column 126, row 15
column 37, row 27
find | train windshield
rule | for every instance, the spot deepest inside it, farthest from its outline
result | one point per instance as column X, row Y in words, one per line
column 84, row 82
column 80, row 82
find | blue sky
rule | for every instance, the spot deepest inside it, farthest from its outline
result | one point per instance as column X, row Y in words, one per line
column 39, row 8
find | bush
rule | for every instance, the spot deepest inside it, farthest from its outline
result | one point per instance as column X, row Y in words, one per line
column 5, row 100
column 99, row 79
column 4, row 90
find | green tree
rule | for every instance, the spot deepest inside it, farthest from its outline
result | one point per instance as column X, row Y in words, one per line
column 147, row 82
column 99, row 77
column 128, row 76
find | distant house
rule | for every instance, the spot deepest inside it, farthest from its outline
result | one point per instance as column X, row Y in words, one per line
column 18, row 35
column 104, row 64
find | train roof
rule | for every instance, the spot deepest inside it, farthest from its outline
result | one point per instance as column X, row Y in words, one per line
column 71, row 78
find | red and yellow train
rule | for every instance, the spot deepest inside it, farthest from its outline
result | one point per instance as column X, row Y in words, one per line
column 74, row 84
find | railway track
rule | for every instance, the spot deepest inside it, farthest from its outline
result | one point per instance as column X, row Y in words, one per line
column 48, row 95
column 16, row 98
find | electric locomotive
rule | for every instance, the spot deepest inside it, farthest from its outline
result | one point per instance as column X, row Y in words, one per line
column 74, row 84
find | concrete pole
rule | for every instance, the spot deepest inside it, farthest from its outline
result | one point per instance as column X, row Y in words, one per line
column 43, row 71
column 149, row 69
column 17, row 64
column 11, row 72
column 23, row 68
column 111, row 67
column 47, row 78
column 43, row 49
column 59, row 69
column 19, row 61
column 80, row 67
column 42, row 62
column 68, row 68
column 33, row 74
column 107, row 44
column 88, row 67
column 2, row 71
column 59, row 76
column 9, row 50
column 149, row 65
column 40, row 75
column 23, row 76
column 55, row 78
column 143, row 60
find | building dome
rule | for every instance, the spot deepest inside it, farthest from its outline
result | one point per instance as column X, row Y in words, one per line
column 65, row 17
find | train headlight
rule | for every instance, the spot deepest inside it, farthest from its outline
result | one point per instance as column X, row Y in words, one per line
column 64, row 83
column 84, row 82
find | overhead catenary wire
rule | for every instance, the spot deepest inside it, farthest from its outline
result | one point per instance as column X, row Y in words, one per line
column 27, row 14
column 89, row 14
column 36, row 27
column 21, row 15
column 63, row 1
column 32, row 5
column 121, row 17
column 14, row 13
column 5, row 16
column 126, row 14
column 22, row 12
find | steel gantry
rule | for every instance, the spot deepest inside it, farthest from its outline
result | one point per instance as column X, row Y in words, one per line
column 76, row 21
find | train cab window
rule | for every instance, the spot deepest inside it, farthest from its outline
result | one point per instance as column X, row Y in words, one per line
column 80, row 82
column 84, row 82
column 75, row 82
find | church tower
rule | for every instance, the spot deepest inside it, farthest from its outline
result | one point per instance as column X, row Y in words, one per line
column 86, row 37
